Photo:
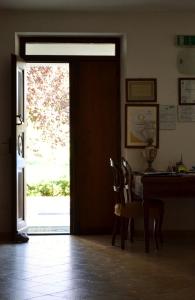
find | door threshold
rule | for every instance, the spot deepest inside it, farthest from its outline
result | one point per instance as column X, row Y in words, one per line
column 46, row 233
column 48, row 230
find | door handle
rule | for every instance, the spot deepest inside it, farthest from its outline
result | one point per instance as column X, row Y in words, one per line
column 19, row 119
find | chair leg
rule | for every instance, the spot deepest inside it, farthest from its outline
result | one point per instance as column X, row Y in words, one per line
column 126, row 228
column 123, row 232
column 132, row 228
column 146, row 229
column 115, row 228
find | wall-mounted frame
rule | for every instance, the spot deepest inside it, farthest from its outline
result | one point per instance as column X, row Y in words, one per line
column 186, row 91
column 141, row 123
column 141, row 89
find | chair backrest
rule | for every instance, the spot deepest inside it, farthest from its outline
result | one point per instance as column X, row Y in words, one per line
column 128, row 180
column 116, row 176
column 118, row 181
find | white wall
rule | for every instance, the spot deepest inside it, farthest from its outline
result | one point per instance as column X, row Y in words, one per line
column 149, row 51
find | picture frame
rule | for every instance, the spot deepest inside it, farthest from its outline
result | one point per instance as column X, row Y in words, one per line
column 186, row 91
column 141, row 89
column 141, row 124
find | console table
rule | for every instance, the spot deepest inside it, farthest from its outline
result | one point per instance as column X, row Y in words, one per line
column 159, row 185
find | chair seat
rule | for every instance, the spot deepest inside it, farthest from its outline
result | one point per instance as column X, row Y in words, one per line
column 136, row 208
column 127, row 210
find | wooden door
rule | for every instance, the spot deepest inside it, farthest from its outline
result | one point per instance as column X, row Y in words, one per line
column 95, row 132
column 18, row 150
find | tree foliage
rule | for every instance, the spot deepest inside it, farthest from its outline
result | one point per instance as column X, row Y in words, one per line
column 47, row 103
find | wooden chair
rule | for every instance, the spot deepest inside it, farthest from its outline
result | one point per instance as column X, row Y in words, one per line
column 128, row 206
column 156, row 206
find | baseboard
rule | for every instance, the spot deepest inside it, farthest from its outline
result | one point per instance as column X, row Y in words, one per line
column 5, row 237
column 179, row 234
column 173, row 234
column 93, row 231
column 167, row 234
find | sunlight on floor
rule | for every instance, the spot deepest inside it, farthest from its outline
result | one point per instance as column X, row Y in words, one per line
column 48, row 214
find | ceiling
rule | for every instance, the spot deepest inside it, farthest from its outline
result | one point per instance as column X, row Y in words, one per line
column 99, row 5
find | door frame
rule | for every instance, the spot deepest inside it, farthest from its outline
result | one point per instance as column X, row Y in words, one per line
column 72, row 61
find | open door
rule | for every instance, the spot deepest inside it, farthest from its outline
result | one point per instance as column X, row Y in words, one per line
column 95, row 96
column 18, row 150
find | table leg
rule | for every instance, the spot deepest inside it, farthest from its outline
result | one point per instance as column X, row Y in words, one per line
column 146, row 227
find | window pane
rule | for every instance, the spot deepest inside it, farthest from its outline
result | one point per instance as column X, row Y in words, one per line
column 81, row 49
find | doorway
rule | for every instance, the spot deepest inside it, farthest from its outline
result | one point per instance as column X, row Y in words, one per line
column 47, row 148
column 95, row 125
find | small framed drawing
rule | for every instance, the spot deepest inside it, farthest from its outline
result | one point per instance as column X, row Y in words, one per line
column 141, row 90
column 186, row 91
column 141, row 125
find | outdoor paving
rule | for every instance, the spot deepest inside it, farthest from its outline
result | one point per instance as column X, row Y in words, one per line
column 48, row 214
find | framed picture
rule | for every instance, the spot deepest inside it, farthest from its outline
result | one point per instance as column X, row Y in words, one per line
column 141, row 124
column 186, row 91
column 141, row 90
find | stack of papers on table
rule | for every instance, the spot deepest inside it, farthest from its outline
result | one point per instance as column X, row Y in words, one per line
column 160, row 173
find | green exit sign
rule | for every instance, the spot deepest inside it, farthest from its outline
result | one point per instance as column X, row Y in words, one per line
column 186, row 40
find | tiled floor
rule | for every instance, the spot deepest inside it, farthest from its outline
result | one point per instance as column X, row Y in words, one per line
column 70, row 267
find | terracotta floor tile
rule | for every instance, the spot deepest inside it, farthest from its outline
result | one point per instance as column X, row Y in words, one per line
column 88, row 267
